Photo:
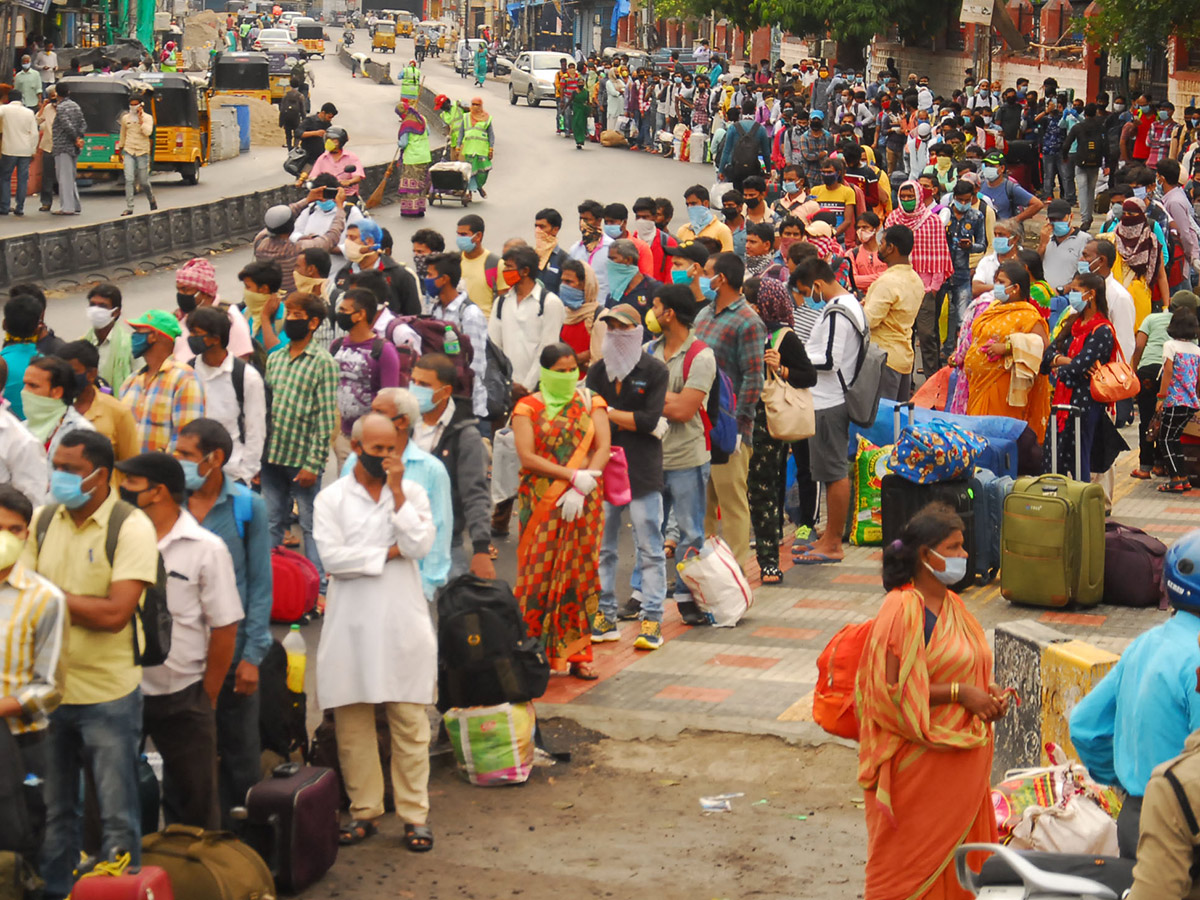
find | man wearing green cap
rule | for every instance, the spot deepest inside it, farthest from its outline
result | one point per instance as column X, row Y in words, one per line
column 166, row 394
column 1008, row 199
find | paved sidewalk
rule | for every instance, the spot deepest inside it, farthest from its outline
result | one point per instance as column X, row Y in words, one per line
column 759, row 676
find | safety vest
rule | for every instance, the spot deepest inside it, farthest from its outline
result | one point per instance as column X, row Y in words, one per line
column 453, row 118
column 410, row 82
column 475, row 138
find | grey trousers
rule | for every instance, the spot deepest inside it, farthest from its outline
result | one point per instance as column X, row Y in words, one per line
column 68, row 193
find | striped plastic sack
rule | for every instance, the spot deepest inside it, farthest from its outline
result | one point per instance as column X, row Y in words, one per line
column 717, row 583
column 492, row 744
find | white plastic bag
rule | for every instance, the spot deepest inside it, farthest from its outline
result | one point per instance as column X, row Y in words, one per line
column 506, row 466
column 717, row 583
column 1076, row 824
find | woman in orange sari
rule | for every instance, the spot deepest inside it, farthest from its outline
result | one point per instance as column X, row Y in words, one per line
column 925, row 702
column 562, row 437
column 991, row 359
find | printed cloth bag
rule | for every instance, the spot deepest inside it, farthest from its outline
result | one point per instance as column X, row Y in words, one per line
column 492, row 744
column 935, row 451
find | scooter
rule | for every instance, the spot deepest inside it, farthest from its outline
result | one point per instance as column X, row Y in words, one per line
column 348, row 37
column 1013, row 875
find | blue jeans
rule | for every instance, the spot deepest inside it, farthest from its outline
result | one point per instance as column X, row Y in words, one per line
column 137, row 172
column 7, row 164
column 646, row 515
column 645, row 131
column 685, row 495
column 279, row 490
column 103, row 736
column 959, row 287
column 1053, row 166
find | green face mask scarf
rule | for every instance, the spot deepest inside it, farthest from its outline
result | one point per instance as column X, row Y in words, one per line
column 42, row 414
column 557, row 389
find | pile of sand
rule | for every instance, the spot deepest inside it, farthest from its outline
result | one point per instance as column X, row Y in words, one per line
column 204, row 30
column 264, row 121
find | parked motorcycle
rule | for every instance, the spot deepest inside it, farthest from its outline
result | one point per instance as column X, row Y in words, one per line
column 1019, row 875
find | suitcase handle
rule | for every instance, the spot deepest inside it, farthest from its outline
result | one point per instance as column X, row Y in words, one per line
column 285, row 770
column 896, row 418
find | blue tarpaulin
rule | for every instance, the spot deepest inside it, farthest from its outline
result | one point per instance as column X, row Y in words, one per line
column 620, row 11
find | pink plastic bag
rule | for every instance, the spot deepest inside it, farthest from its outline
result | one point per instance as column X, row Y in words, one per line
column 616, row 479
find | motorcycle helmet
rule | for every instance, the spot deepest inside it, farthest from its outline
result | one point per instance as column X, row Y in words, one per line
column 440, row 102
column 1181, row 572
column 337, row 134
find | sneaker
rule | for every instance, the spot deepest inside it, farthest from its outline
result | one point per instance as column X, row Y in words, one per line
column 690, row 613
column 651, row 636
column 604, row 630
column 630, row 609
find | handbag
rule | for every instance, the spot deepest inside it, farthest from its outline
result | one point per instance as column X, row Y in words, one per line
column 935, row 451
column 616, row 479
column 1076, row 824
column 790, row 415
column 1114, row 380
column 294, row 163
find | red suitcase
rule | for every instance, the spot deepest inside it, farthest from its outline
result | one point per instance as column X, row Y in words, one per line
column 292, row 821
column 150, row 883
column 296, row 585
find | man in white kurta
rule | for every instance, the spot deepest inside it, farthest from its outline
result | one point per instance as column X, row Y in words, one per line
column 377, row 644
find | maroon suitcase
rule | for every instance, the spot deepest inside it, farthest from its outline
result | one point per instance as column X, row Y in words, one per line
column 150, row 883
column 292, row 821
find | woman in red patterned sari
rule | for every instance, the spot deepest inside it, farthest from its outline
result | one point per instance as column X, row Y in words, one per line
column 925, row 702
column 562, row 437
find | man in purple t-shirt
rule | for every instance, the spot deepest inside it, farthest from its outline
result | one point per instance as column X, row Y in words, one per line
column 366, row 362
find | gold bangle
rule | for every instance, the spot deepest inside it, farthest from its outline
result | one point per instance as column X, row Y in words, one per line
column 954, row 692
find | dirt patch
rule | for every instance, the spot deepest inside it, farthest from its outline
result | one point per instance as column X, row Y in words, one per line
column 623, row 821
column 204, row 29
column 264, row 121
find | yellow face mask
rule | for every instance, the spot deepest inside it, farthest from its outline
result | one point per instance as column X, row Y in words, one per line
column 652, row 323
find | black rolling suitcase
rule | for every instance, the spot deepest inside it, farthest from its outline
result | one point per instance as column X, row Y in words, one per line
column 292, row 821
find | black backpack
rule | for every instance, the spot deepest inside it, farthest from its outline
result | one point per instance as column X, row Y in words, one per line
column 484, row 656
column 153, row 612
column 498, row 382
column 1088, row 151
column 744, row 160
column 282, row 727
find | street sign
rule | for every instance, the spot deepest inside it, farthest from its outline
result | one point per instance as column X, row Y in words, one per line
column 978, row 12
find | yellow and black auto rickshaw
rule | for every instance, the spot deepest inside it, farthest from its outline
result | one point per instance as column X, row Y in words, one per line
column 103, row 98
column 311, row 36
column 404, row 23
column 241, row 75
column 182, row 129
column 385, row 36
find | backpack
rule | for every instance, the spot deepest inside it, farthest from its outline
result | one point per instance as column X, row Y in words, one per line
column 498, row 382
column 291, row 107
column 720, row 423
column 282, row 727
column 239, row 392
column 153, row 612
column 1088, row 151
column 1112, row 138
column 744, row 160
column 432, row 335
column 484, row 655
column 862, row 393
column 837, row 671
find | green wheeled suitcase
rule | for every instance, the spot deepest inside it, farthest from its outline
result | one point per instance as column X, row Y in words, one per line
column 1052, row 537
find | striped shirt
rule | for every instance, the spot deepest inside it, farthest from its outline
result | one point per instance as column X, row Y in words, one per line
column 163, row 403
column 474, row 324
column 33, row 631
column 804, row 320
column 303, row 410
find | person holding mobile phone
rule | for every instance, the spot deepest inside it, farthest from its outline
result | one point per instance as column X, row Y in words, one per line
column 137, row 126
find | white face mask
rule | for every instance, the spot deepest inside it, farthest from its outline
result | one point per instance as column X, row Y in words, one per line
column 101, row 317
column 644, row 229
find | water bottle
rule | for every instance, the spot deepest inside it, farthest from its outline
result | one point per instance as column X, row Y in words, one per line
column 297, row 658
column 450, row 345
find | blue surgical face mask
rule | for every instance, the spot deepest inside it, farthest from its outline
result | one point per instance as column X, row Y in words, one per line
column 1083, row 267
column 962, row 206
column 67, row 488
column 572, row 297
column 990, row 173
column 465, row 243
column 326, row 205
column 706, row 288
column 790, row 187
column 681, row 276
column 1075, row 298
column 1163, row 115
column 955, row 571
column 1001, row 244
column 424, row 397
column 430, row 284
column 699, row 216
column 614, row 231
column 1000, row 291
column 139, row 343
column 812, row 302
column 1140, row 193
column 192, row 478
column 1061, row 228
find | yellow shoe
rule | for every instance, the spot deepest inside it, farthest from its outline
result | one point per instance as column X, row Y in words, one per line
column 651, row 637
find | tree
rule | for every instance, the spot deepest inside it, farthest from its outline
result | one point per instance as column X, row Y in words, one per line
column 1132, row 26
column 856, row 22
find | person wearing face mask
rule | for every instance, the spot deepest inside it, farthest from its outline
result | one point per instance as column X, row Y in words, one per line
column 626, row 283
column 1007, row 198
column 443, row 300
column 820, row 93
column 892, row 300
column 814, row 146
column 592, row 247
column 527, row 318
column 578, row 292
column 916, row 148
column 165, row 395
column 27, row 84
column 339, row 162
column 316, row 214
column 364, row 251
column 864, row 258
column 1162, row 140
column 924, row 629
column 646, row 230
column 196, row 286
column 1141, row 255
column 616, row 220
column 113, row 341
column 633, row 384
column 702, row 221
column 180, row 696
column 546, row 225
column 106, row 413
column 836, row 197
column 48, row 395
column 1060, row 244
column 735, row 220
column 688, row 262
column 1089, row 154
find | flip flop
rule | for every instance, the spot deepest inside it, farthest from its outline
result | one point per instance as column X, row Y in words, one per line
column 1141, row 474
column 1175, row 487
column 809, row 558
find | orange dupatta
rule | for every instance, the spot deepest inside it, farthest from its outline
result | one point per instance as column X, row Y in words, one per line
column 546, row 505
column 988, row 379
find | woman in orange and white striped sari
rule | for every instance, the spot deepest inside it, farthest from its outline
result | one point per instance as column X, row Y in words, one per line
column 925, row 703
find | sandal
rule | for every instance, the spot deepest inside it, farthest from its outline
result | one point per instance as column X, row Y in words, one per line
column 418, row 838
column 1175, row 487
column 493, row 553
column 669, row 549
column 584, row 671
column 1141, row 474
column 770, row 574
column 356, row 831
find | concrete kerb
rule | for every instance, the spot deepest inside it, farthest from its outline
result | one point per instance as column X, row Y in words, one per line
column 378, row 72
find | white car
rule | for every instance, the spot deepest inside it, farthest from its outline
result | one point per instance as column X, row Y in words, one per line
column 276, row 39
column 533, row 76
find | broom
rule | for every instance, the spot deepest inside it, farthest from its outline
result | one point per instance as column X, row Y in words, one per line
column 377, row 195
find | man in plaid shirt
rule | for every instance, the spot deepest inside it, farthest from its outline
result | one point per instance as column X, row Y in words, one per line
column 737, row 337
column 165, row 395
column 815, row 145
column 303, row 379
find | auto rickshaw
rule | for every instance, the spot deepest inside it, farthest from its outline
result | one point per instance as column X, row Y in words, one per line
column 241, row 75
column 385, row 36
column 182, row 129
column 311, row 38
column 404, row 23
column 283, row 68
column 103, row 98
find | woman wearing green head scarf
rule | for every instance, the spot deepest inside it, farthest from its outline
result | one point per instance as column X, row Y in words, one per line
column 562, row 438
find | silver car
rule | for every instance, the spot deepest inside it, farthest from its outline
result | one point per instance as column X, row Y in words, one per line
column 533, row 76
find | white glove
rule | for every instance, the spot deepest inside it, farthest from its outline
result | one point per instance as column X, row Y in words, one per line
column 661, row 429
column 584, row 480
column 571, row 503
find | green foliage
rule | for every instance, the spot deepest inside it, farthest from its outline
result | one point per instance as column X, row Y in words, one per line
column 855, row 21
column 1131, row 26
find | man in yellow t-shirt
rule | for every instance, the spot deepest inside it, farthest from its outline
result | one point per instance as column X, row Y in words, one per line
column 835, row 196
column 100, row 719
column 479, row 266
column 702, row 220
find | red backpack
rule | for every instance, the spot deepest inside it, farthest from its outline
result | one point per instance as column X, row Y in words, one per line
column 296, row 584
column 837, row 670
column 432, row 333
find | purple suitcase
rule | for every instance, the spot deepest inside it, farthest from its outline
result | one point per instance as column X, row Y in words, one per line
column 292, row 821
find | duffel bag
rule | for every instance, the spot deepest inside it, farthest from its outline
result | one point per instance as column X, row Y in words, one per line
column 935, row 451
column 1133, row 566
column 296, row 584
column 208, row 865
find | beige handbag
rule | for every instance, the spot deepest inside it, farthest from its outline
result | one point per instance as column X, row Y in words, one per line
column 790, row 415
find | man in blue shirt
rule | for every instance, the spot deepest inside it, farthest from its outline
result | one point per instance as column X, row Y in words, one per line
column 1141, row 714
column 239, row 518
column 1008, row 199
